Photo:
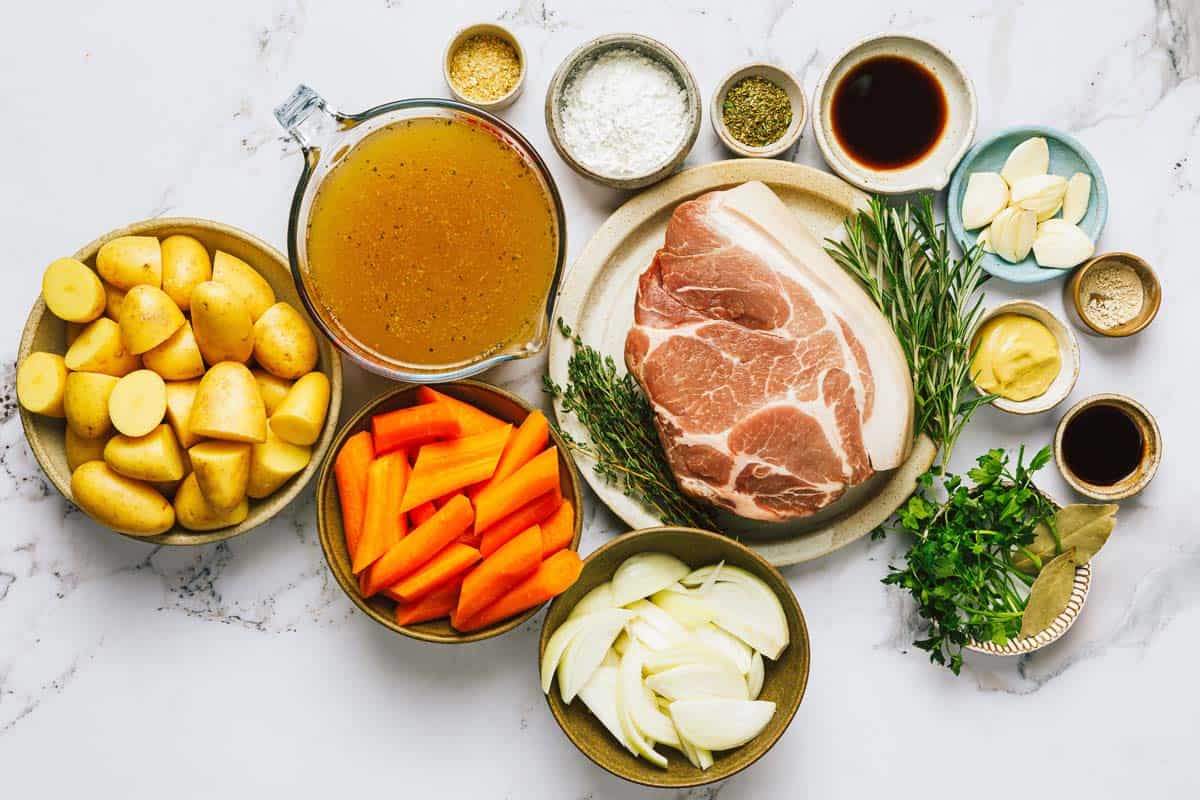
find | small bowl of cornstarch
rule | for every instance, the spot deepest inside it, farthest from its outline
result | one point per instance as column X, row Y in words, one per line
column 623, row 110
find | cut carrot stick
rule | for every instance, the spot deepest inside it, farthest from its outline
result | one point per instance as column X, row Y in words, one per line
column 558, row 529
column 453, row 560
column 407, row 555
column 421, row 513
column 502, row 570
column 499, row 500
column 444, row 467
column 471, row 419
column 531, row 513
column 350, row 469
column 383, row 522
column 435, row 605
column 553, row 577
column 413, row 426
column 526, row 442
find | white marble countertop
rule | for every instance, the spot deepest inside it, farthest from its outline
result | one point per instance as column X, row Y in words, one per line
column 136, row 671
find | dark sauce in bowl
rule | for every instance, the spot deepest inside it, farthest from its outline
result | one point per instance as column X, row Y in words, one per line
column 1102, row 445
column 888, row 112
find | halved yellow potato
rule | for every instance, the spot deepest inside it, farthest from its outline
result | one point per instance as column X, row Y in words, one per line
column 138, row 403
column 72, row 291
column 155, row 457
column 228, row 406
column 42, row 384
column 185, row 265
column 113, row 297
column 196, row 514
column 180, row 397
column 81, row 450
column 129, row 261
column 221, row 322
column 272, row 463
column 284, row 345
column 85, row 403
column 99, row 348
column 245, row 281
column 178, row 358
column 148, row 318
column 222, row 470
column 272, row 389
column 123, row 504
column 301, row 415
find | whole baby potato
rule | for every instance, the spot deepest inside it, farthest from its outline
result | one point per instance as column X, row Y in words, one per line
column 72, row 291
column 129, row 261
column 85, row 403
column 196, row 514
column 178, row 358
column 81, row 450
column 222, row 470
column 123, row 504
column 228, row 406
column 155, row 457
column 42, row 384
column 301, row 415
column 185, row 265
column 221, row 323
column 245, row 282
column 99, row 348
column 113, row 297
column 148, row 318
column 284, row 345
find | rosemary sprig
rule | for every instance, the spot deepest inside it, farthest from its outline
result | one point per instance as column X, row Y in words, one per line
column 902, row 257
column 623, row 441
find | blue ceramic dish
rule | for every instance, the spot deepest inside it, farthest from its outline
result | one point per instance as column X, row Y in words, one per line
column 1067, row 156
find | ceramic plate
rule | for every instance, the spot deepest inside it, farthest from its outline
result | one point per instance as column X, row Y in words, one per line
column 596, row 300
column 1067, row 156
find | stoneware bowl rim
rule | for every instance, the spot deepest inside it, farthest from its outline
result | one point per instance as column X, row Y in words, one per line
column 799, row 638
column 350, row 586
column 795, row 93
column 495, row 28
column 261, row 511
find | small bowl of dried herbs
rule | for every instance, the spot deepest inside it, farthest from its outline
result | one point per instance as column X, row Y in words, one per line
column 484, row 65
column 759, row 110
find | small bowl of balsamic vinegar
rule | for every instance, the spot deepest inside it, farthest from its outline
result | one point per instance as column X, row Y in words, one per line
column 1108, row 447
column 894, row 114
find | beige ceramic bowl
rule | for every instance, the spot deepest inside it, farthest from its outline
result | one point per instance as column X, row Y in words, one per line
column 651, row 48
column 781, row 78
column 44, row 331
column 1151, row 449
column 1068, row 351
column 495, row 30
column 933, row 171
column 784, row 683
column 1076, row 303
column 495, row 401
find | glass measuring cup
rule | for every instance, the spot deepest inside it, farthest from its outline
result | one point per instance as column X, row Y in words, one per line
column 325, row 137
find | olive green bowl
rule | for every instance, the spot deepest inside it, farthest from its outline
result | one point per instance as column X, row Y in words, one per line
column 784, row 681
column 497, row 402
column 46, row 332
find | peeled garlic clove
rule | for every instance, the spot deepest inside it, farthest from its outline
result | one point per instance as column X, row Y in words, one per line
column 1061, row 244
column 1075, row 203
column 1041, row 194
column 984, row 240
column 1012, row 233
column 1031, row 157
column 986, row 196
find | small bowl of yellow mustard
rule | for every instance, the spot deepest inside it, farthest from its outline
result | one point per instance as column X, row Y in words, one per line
column 1025, row 356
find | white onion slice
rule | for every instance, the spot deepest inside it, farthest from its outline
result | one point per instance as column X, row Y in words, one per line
column 586, row 650
column 629, row 690
column 695, row 651
column 599, row 694
column 643, row 574
column 754, row 678
column 650, row 637
column 557, row 645
column 720, row 724
column 727, row 644
column 597, row 599
column 685, row 608
column 691, row 681
column 741, row 611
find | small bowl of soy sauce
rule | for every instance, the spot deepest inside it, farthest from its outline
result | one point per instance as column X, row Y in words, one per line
column 1108, row 447
column 894, row 114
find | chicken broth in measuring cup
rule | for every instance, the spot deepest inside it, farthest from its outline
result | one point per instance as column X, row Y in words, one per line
column 433, row 242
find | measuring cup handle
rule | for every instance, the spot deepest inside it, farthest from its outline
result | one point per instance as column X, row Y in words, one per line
column 307, row 118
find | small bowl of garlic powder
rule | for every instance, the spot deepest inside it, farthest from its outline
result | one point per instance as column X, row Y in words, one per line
column 484, row 65
column 1113, row 294
column 623, row 110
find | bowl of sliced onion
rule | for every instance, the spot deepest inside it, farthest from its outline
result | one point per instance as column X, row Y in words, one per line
column 677, row 659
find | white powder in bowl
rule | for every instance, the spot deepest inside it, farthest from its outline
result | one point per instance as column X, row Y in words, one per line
column 622, row 113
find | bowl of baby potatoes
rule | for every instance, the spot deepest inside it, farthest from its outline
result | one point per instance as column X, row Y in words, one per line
column 171, row 384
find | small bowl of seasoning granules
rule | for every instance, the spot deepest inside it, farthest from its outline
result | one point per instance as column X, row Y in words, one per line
column 759, row 110
column 623, row 110
column 484, row 65
column 1113, row 294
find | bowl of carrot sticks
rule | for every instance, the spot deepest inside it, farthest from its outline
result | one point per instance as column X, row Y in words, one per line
column 450, row 513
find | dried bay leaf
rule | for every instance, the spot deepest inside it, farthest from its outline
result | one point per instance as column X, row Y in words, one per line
column 1082, row 526
column 1049, row 594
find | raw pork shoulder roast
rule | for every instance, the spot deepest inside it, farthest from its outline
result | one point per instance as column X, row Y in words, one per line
column 775, row 381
